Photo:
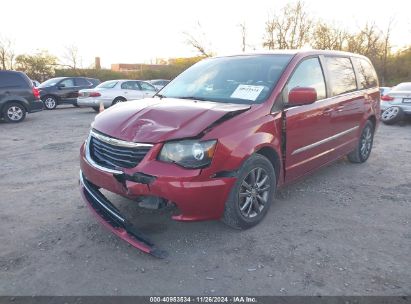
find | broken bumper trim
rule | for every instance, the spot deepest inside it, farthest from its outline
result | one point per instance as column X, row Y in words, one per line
column 111, row 218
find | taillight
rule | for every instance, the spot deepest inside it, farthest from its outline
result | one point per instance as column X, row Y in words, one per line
column 36, row 93
column 387, row 98
column 94, row 94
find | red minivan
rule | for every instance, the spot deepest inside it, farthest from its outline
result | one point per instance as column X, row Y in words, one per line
column 219, row 139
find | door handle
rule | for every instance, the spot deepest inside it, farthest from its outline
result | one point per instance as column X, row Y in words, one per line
column 327, row 111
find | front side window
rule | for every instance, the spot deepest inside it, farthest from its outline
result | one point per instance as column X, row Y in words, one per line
column 147, row 87
column 247, row 79
column 341, row 73
column 67, row 83
column 366, row 74
column 130, row 85
column 307, row 74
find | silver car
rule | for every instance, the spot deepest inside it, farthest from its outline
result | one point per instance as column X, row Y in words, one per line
column 114, row 91
column 396, row 103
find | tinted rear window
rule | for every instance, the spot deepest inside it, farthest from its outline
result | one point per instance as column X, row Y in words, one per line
column 341, row 73
column 83, row 82
column 12, row 80
column 366, row 74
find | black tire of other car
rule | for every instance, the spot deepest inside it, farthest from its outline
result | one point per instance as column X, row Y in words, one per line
column 118, row 99
column 364, row 146
column 252, row 194
column 392, row 115
column 76, row 104
column 14, row 112
column 97, row 109
column 50, row 102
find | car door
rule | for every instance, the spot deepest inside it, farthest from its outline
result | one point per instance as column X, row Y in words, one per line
column 67, row 89
column 135, row 91
column 147, row 89
column 308, row 133
column 128, row 90
column 348, row 101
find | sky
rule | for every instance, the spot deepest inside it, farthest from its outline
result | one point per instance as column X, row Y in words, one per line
column 127, row 31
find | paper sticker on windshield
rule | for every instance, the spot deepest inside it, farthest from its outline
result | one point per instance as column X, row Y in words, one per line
column 248, row 92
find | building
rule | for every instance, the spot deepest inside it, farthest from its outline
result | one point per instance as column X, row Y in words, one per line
column 132, row 67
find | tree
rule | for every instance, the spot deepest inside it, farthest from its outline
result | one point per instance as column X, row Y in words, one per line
column 243, row 29
column 6, row 54
column 290, row 29
column 39, row 66
column 327, row 37
column 71, row 57
column 200, row 43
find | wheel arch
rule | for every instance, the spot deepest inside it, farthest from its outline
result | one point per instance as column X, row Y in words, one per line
column 273, row 157
column 21, row 102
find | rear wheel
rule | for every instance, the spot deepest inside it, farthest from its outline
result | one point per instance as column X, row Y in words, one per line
column 118, row 99
column 252, row 194
column 363, row 149
column 392, row 115
column 50, row 102
column 14, row 112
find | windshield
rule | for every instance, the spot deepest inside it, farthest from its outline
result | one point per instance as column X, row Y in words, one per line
column 107, row 84
column 50, row 82
column 246, row 79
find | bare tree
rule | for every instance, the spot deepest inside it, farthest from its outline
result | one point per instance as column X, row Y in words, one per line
column 6, row 53
column 71, row 57
column 200, row 43
column 243, row 30
column 290, row 29
column 387, row 49
column 328, row 37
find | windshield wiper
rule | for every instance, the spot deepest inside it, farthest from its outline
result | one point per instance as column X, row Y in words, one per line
column 161, row 96
column 193, row 98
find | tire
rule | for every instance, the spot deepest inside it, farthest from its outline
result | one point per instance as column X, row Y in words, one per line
column 14, row 112
column 246, row 205
column 364, row 146
column 392, row 115
column 97, row 109
column 75, row 104
column 50, row 102
column 117, row 100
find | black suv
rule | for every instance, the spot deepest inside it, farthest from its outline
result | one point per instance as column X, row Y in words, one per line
column 64, row 90
column 18, row 96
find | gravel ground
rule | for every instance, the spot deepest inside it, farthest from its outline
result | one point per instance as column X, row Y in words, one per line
column 342, row 231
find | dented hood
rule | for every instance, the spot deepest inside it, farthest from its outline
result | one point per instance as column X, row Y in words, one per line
column 156, row 120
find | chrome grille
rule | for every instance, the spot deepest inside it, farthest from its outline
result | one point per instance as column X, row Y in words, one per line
column 113, row 153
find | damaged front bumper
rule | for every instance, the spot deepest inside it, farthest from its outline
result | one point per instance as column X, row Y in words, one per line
column 111, row 218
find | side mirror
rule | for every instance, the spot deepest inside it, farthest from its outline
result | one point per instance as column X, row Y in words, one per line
column 301, row 96
column 61, row 85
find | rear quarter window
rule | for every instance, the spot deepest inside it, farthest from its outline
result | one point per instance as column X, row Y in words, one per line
column 367, row 76
column 341, row 75
column 12, row 80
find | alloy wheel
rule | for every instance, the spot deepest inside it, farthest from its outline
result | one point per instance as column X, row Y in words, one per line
column 14, row 113
column 253, row 194
column 50, row 103
column 390, row 113
column 366, row 142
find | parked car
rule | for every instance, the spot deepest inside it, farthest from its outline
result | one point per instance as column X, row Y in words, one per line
column 114, row 91
column 18, row 96
column 396, row 103
column 225, row 134
column 35, row 83
column 61, row 90
column 159, row 83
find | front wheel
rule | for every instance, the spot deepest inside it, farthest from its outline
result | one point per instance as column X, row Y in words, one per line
column 252, row 194
column 14, row 112
column 364, row 146
column 50, row 102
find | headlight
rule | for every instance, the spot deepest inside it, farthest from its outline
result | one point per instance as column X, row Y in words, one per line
column 188, row 153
